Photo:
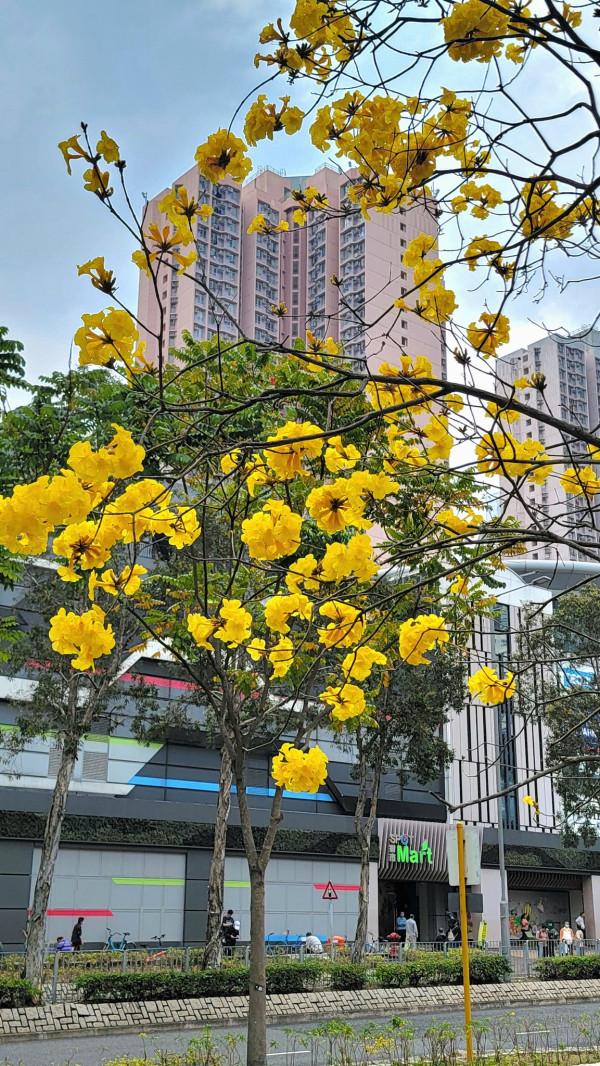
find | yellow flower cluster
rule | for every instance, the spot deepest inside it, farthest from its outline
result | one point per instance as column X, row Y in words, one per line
column 502, row 453
column 582, row 481
column 489, row 333
column 120, row 459
column 477, row 30
column 263, row 119
column 280, row 655
column 346, row 701
column 260, row 224
column 488, row 688
column 299, row 771
column 340, row 563
column 279, row 610
column 232, row 626
column 109, row 338
column 421, row 634
column 221, row 155
column 388, row 394
column 541, row 216
column 85, row 636
column 286, row 460
column 128, row 581
column 346, row 627
column 273, row 532
column 323, row 33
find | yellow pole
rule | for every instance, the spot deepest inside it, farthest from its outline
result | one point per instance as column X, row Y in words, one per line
column 462, row 889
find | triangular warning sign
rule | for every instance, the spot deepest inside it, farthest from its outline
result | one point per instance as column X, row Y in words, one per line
column 330, row 892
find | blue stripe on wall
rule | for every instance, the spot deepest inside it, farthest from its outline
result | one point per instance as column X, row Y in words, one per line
column 211, row 786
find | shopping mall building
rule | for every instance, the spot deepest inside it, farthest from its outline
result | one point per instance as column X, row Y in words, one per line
column 136, row 843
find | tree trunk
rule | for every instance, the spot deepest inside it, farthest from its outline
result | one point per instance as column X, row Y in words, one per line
column 257, row 1006
column 362, row 922
column 36, row 925
column 214, row 908
column 364, row 832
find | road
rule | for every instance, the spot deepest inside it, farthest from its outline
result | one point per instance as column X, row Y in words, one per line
column 80, row 1050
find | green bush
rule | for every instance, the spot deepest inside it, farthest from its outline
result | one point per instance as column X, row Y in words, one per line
column 197, row 984
column 569, row 968
column 347, row 976
column 15, row 992
column 435, row 968
column 293, row 977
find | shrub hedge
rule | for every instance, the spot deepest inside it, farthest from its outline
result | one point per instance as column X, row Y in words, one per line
column 434, row 968
column 568, row 968
column 17, row 992
column 423, row 969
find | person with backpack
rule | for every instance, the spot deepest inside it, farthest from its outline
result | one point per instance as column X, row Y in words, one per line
column 401, row 927
column 454, row 931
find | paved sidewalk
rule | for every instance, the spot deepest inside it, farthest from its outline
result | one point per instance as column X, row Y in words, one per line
column 93, row 1049
column 184, row 1014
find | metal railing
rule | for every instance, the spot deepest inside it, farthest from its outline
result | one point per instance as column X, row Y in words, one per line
column 61, row 969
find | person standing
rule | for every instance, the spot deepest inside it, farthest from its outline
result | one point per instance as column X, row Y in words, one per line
column 552, row 938
column 454, row 931
column 401, row 926
column 229, row 932
column 580, row 923
column 566, row 939
column 412, row 932
column 77, row 935
column 526, row 933
column 542, row 940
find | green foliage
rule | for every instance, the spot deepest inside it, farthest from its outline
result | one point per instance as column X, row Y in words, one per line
column 569, row 968
column 283, row 978
column 29, row 825
column 197, row 984
column 348, row 976
column 17, row 992
column 12, row 364
column 435, row 968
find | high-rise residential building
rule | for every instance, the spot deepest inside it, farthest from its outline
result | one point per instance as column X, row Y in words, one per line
column 241, row 275
column 571, row 366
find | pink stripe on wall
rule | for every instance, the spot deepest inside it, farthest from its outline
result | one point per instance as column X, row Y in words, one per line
column 339, row 888
column 160, row 682
column 80, row 913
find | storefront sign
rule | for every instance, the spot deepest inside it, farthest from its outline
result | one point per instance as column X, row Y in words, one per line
column 407, row 852
column 411, row 850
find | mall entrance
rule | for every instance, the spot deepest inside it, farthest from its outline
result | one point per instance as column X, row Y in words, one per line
column 413, row 875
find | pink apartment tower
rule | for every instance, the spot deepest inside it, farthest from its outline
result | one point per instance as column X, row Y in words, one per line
column 249, row 273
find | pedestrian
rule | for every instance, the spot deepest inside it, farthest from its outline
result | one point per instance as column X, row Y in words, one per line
column 62, row 944
column 552, row 938
column 229, row 932
column 566, row 939
column 580, row 922
column 542, row 941
column 313, row 945
column 579, row 942
column 454, row 930
column 77, row 935
column 394, row 939
column 440, row 940
column 412, row 932
column 401, row 926
column 526, row 931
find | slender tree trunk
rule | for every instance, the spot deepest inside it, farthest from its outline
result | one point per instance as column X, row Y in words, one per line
column 256, row 1054
column 212, row 952
column 364, row 832
column 257, row 1005
column 36, row 926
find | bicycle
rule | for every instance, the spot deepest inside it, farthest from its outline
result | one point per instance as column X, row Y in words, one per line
column 124, row 945
column 150, row 957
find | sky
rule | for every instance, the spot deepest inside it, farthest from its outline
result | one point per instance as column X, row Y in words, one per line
column 158, row 77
